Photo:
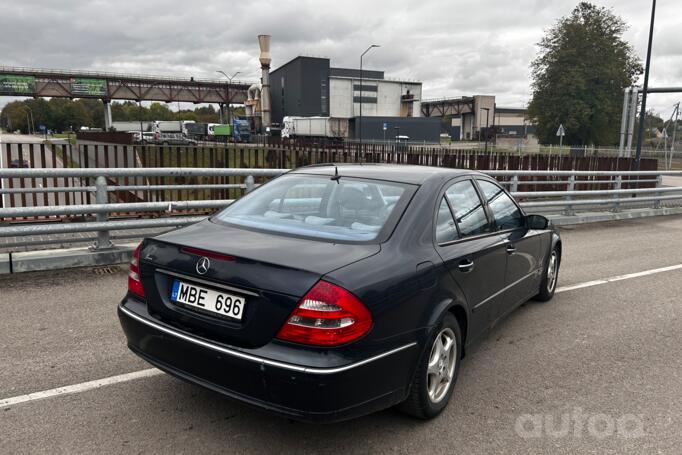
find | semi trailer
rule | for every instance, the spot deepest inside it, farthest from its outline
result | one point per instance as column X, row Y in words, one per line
column 327, row 127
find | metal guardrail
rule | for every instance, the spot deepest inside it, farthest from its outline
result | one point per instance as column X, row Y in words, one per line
column 569, row 200
column 102, row 208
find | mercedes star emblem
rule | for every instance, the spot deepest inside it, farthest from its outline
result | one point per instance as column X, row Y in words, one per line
column 203, row 264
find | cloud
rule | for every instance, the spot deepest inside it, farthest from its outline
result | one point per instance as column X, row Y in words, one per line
column 455, row 47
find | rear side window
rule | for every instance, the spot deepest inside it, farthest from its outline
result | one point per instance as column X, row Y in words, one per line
column 445, row 224
column 507, row 215
column 350, row 209
column 468, row 208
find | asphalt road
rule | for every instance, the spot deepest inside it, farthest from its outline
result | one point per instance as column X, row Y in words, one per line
column 596, row 370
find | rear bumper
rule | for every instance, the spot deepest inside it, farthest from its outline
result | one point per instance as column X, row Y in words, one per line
column 303, row 390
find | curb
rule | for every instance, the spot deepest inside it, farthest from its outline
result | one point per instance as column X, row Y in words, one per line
column 64, row 258
column 5, row 263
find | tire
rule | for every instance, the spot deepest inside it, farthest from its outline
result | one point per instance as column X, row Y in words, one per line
column 421, row 403
column 549, row 281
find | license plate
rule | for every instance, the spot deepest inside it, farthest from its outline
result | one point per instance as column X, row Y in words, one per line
column 221, row 303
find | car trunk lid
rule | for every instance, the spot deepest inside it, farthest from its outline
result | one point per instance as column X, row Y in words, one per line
column 270, row 272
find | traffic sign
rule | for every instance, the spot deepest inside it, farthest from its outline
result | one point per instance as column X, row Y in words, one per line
column 561, row 133
column 42, row 127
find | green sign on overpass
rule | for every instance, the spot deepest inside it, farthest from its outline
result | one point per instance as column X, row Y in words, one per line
column 36, row 82
column 88, row 87
column 17, row 84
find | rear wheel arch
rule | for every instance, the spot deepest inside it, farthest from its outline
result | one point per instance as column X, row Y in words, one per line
column 557, row 245
column 463, row 320
column 458, row 311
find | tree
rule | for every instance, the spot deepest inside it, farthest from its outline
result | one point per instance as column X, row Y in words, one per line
column 579, row 75
column 160, row 111
column 60, row 114
column 14, row 117
column 652, row 122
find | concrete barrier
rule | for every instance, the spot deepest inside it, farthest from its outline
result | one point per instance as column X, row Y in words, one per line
column 64, row 258
column 5, row 263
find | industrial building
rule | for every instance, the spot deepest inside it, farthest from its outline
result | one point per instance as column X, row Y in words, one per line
column 469, row 116
column 311, row 87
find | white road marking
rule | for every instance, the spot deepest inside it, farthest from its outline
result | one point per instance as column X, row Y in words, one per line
column 588, row 284
column 96, row 384
column 82, row 387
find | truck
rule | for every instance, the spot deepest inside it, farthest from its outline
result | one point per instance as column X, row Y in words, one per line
column 317, row 127
column 197, row 130
column 172, row 126
column 129, row 127
column 155, row 126
column 239, row 131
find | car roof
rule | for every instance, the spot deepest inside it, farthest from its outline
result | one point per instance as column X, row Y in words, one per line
column 403, row 173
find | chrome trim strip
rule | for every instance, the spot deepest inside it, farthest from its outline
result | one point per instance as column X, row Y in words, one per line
column 534, row 272
column 261, row 360
column 206, row 282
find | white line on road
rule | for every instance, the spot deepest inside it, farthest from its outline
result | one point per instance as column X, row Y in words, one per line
column 82, row 387
column 96, row 384
column 588, row 284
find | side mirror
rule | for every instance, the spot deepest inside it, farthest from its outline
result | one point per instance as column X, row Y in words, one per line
column 537, row 222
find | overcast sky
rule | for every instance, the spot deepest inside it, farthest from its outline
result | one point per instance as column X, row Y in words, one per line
column 454, row 47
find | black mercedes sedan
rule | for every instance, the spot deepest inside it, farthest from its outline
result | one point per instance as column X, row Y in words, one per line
column 335, row 291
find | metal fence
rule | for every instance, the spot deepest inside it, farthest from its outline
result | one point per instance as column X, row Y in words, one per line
column 102, row 211
column 48, row 190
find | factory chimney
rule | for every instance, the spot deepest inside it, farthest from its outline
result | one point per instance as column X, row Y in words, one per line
column 264, row 43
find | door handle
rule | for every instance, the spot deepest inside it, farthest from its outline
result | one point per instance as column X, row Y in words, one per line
column 466, row 265
column 511, row 249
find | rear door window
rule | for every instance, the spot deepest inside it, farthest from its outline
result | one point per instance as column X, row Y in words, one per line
column 506, row 213
column 468, row 208
column 446, row 231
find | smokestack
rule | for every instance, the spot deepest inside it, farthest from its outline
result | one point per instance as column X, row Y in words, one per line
column 264, row 43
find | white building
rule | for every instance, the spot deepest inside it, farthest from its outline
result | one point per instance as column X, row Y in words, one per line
column 309, row 87
column 380, row 97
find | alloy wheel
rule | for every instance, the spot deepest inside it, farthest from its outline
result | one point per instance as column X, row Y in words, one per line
column 442, row 362
column 552, row 270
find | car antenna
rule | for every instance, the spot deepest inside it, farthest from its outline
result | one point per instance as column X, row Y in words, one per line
column 336, row 176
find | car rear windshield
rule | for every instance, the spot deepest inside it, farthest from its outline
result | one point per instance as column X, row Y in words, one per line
column 346, row 209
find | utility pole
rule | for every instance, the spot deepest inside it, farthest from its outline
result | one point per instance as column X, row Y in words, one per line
column 361, row 93
column 642, row 112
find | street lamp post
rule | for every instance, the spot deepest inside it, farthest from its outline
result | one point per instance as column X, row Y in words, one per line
column 30, row 126
column 361, row 92
column 642, row 114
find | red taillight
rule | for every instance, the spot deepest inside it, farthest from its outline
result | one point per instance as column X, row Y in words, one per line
column 134, row 283
column 327, row 315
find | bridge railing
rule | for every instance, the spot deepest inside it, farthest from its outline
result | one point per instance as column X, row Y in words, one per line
column 107, row 213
